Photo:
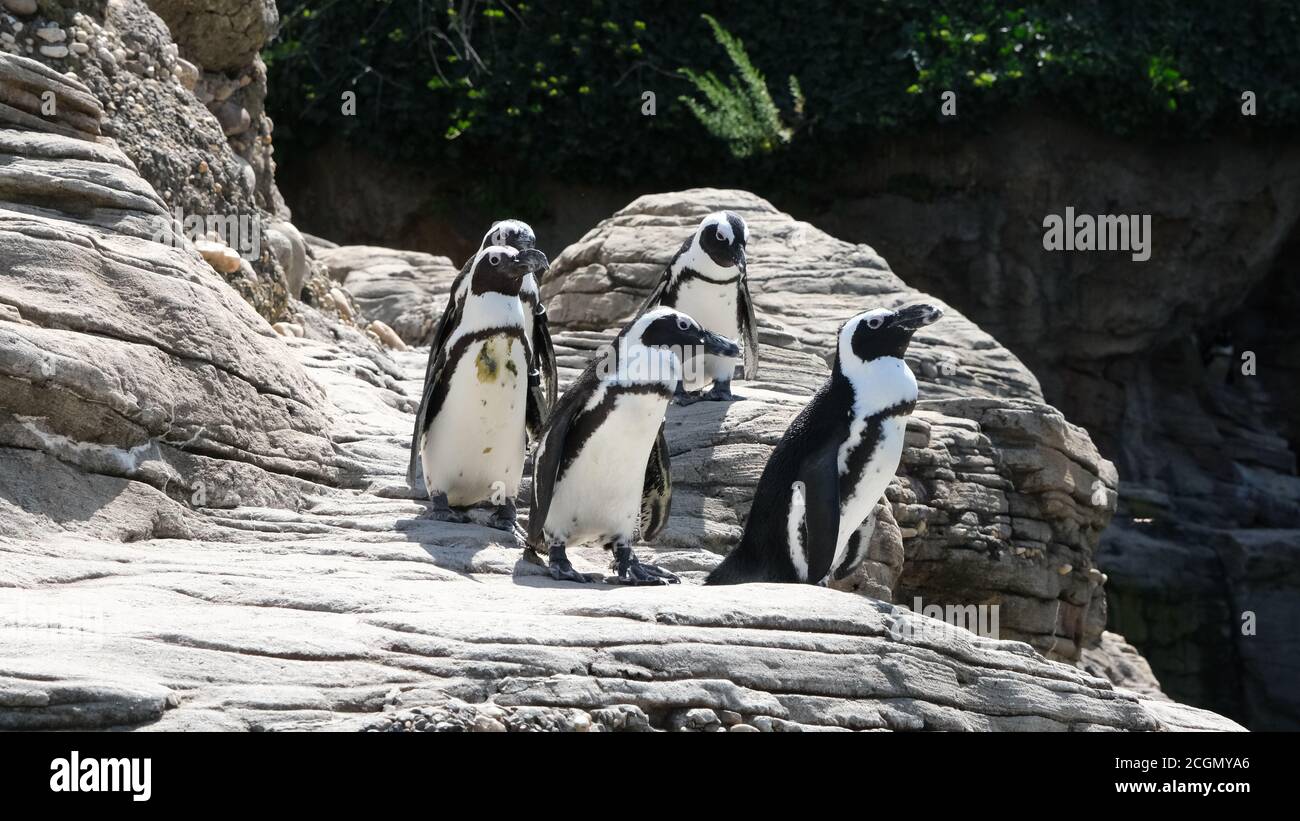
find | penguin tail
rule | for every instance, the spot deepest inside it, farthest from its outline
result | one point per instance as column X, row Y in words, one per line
column 733, row 570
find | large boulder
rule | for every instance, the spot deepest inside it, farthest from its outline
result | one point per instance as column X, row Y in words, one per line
column 127, row 358
column 999, row 499
column 406, row 290
column 175, row 127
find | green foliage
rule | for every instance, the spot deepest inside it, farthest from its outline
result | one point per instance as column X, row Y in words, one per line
column 555, row 88
column 740, row 112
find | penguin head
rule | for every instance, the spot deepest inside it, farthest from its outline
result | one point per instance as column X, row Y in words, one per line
column 882, row 332
column 666, row 328
column 501, row 269
column 723, row 236
column 510, row 233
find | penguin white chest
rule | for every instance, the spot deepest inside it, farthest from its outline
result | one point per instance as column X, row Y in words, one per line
column 859, row 500
column 598, row 498
column 474, row 448
column 714, row 307
column 711, row 305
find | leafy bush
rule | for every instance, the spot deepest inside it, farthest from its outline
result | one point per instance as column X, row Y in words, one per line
column 556, row 88
column 741, row 112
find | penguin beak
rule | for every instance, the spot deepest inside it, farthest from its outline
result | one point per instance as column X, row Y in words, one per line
column 529, row 261
column 916, row 316
column 719, row 345
column 738, row 255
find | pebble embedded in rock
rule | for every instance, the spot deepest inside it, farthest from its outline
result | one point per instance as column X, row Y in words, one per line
column 387, row 335
column 52, row 35
column 54, row 51
column 221, row 257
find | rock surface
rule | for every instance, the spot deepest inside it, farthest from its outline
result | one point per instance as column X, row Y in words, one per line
column 1000, row 500
column 406, row 290
column 351, row 612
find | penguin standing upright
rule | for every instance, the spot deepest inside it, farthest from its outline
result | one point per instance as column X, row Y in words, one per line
column 601, row 472
column 706, row 279
column 542, row 380
column 470, row 430
column 835, row 460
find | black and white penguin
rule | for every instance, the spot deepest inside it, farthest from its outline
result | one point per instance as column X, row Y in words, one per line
column 470, row 429
column 835, row 461
column 706, row 279
column 542, row 379
column 1219, row 357
column 601, row 472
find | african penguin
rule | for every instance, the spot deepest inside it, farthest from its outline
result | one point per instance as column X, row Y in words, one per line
column 470, row 429
column 541, row 369
column 707, row 280
column 836, row 459
column 601, row 471
column 1219, row 358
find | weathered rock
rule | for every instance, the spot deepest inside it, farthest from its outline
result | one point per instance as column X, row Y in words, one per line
column 220, row 35
column 127, row 359
column 406, row 290
column 805, row 284
column 1119, row 662
column 997, row 491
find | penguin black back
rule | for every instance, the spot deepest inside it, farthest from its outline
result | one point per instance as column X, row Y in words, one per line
column 762, row 554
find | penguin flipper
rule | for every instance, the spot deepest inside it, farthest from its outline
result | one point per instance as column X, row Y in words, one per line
column 661, row 289
column 856, row 550
column 657, row 493
column 451, row 315
column 544, row 354
column 546, row 462
column 820, row 474
column 437, row 366
column 748, row 329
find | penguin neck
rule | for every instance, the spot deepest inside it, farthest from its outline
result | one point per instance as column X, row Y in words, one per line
column 702, row 266
column 490, row 309
column 880, row 384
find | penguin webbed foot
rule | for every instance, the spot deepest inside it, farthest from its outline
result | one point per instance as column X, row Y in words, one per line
column 498, row 517
column 631, row 571
column 440, row 510
column 562, row 569
column 681, row 396
column 721, row 392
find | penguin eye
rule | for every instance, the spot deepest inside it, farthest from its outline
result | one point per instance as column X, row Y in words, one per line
column 494, row 259
column 683, row 324
column 720, row 236
column 875, row 322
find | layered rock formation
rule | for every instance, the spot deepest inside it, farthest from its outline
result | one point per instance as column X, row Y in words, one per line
column 199, row 137
column 1000, row 501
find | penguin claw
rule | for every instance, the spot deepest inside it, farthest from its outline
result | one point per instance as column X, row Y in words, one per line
column 564, row 572
column 446, row 515
column 637, row 574
column 717, row 394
